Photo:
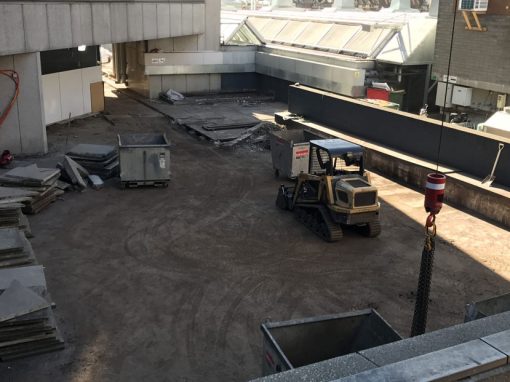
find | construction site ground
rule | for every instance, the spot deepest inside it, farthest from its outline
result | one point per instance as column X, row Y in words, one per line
column 172, row 284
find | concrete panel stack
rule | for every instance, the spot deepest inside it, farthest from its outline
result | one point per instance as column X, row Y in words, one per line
column 11, row 216
column 101, row 160
column 35, row 187
column 27, row 323
column 15, row 249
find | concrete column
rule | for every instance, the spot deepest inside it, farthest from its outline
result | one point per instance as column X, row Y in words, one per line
column 24, row 131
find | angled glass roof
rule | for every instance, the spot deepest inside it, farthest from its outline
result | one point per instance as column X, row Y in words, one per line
column 245, row 36
column 313, row 33
column 366, row 43
column 331, row 36
column 290, row 32
column 271, row 28
column 386, row 37
column 337, row 37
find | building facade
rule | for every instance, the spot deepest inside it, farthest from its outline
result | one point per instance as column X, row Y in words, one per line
column 479, row 81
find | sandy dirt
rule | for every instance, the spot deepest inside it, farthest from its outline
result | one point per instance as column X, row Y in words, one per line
column 172, row 284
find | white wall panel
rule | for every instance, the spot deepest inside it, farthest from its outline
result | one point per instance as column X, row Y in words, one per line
column 51, row 97
column 68, row 92
column 71, row 93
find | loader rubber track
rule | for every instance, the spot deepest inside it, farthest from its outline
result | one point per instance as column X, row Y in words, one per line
column 317, row 219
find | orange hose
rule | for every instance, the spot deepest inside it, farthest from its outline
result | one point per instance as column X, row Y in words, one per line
column 13, row 75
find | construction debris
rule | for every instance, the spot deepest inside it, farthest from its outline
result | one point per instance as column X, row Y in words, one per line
column 254, row 138
column 75, row 172
column 27, row 324
column 248, row 133
column 15, row 249
column 33, row 186
column 96, row 182
column 101, row 160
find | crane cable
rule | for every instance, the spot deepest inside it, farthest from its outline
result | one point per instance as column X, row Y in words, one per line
column 421, row 306
column 13, row 75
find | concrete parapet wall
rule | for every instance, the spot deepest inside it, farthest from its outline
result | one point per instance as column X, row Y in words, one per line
column 462, row 191
column 464, row 150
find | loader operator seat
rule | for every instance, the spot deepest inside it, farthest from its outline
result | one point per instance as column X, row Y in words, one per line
column 324, row 164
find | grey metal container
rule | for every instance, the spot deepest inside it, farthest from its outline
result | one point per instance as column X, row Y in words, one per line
column 489, row 307
column 144, row 159
column 295, row 343
column 290, row 152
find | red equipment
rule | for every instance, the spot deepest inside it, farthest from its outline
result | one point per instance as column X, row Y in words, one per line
column 434, row 194
column 6, row 158
column 15, row 79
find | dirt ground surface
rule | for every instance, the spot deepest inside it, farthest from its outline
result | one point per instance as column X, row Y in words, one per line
column 172, row 284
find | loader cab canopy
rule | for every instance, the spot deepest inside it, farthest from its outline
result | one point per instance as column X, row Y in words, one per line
column 337, row 156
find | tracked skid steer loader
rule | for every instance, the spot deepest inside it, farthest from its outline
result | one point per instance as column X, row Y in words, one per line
column 335, row 192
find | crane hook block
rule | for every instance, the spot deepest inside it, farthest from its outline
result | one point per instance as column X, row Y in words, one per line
column 434, row 192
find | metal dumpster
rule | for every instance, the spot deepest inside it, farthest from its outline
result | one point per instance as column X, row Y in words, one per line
column 144, row 159
column 489, row 307
column 290, row 152
column 291, row 344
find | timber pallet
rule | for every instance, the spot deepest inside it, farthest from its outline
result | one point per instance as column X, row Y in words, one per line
column 135, row 184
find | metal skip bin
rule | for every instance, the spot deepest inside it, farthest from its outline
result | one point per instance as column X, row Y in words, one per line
column 489, row 307
column 144, row 159
column 290, row 152
column 295, row 343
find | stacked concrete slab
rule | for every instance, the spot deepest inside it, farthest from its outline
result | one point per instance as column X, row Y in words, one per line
column 32, row 186
column 15, row 249
column 27, row 323
column 11, row 216
column 101, row 160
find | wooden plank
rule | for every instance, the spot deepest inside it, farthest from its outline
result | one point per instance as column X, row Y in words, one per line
column 97, row 96
column 466, row 19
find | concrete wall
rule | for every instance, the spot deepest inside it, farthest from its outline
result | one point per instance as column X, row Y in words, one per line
column 195, row 38
column 38, row 26
column 24, row 131
column 200, row 62
column 137, row 80
column 339, row 79
column 463, row 149
column 479, row 59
